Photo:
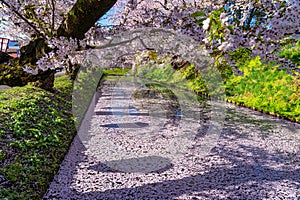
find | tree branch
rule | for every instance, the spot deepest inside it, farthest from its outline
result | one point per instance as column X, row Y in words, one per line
column 23, row 18
column 53, row 16
column 83, row 15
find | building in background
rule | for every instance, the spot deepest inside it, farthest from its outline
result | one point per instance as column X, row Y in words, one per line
column 16, row 38
column 14, row 48
column 4, row 44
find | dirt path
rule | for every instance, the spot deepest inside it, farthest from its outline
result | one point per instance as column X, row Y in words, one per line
column 144, row 143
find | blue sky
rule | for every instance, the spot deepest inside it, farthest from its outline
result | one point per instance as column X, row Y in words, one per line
column 104, row 21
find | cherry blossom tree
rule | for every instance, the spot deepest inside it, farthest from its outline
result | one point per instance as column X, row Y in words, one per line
column 55, row 28
column 222, row 26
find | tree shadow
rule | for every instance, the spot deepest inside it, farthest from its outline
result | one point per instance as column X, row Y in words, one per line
column 240, row 180
column 120, row 113
column 255, row 121
column 250, row 172
column 126, row 125
column 147, row 164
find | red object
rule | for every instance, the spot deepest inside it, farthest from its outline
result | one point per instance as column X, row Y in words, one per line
column 14, row 55
column 4, row 44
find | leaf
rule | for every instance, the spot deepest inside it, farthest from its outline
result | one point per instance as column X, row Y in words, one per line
column 198, row 14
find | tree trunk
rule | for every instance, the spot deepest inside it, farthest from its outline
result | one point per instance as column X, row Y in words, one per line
column 45, row 80
column 83, row 16
column 32, row 52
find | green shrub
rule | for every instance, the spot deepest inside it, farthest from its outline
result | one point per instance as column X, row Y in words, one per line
column 12, row 75
column 262, row 86
column 267, row 88
column 116, row 71
column 291, row 52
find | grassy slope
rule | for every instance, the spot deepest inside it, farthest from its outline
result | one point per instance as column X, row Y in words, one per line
column 267, row 89
column 36, row 128
column 116, row 71
column 262, row 87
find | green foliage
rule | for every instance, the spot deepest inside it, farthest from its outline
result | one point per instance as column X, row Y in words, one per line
column 166, row 74
column 36, row 128
column 154, row 90
column 291, row 52
column 12, row 75
column 266, row 88
column 199, row 16
column 215, row 29
column 2, row 155
column 224, row 69
column 241, row 56
column 184, row 78
column 263, row 86
column 116, row 71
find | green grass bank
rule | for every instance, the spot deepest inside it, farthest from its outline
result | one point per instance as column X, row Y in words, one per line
column 36, row 129
column 262, row 86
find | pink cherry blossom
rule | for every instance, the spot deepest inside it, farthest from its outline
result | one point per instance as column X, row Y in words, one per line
column 258, row 25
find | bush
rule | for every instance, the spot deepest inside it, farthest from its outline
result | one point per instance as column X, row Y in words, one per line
column 266, row 88
column 262, row 86
column 13, row 75
column 291, row 52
